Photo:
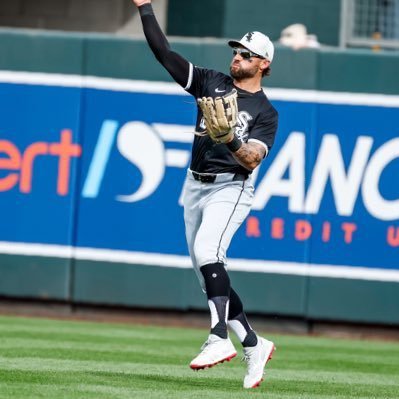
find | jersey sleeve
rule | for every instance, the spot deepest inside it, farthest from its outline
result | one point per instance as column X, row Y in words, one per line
column 199, row 80
column 265, row 130
column 177, row 66
column 193, row 79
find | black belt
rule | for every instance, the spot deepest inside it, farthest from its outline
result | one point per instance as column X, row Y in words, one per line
column 210, row 177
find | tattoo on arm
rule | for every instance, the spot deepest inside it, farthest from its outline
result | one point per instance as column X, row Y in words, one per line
column 250, row 155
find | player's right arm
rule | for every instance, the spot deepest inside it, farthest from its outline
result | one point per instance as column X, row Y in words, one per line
column 178, row 67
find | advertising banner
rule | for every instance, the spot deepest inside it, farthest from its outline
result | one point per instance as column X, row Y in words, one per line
column 103, row 169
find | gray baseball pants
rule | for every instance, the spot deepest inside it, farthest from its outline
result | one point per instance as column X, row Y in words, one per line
column 212, row 214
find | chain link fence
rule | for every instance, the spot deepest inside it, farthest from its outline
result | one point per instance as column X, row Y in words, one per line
column 370, row 23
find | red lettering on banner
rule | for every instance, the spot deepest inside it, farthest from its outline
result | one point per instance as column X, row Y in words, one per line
column 277, row 228
column 393, row 236
column 326, row 232
column 24, row 163
column 28, row 158
column 349, row 229
column 303, row 230
column 13, row 162
column 253, row 227
column 65, row 150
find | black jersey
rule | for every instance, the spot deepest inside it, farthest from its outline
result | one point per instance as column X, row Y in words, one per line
column 256, row 122
column 257, row 119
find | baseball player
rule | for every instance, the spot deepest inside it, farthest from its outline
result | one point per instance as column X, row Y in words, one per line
column 236, row 126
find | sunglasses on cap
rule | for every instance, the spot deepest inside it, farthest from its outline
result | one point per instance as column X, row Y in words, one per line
column 245, row 54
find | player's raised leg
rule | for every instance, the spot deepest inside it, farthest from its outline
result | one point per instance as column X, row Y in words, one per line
column 218, row 347
column 257, row 350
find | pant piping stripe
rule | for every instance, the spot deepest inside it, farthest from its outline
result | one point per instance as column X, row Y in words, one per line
column 227, row 224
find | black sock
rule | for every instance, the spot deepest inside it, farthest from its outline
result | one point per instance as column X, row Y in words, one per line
column 239, row 323
column 217, row 284
column 218, row 306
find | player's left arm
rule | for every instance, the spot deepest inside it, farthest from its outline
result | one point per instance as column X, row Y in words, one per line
column 250, row 155
column 260, row 141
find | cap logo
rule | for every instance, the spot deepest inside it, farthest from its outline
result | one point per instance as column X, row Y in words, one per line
column 248, row 36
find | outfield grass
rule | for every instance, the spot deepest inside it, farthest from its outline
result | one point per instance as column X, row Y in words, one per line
column 42, row 358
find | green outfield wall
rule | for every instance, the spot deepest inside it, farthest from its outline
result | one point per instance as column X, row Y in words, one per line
column 359, row 71
column 77, row 280
column 233, row 18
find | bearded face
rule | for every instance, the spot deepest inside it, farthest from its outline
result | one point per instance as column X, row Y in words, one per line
column 239, row 72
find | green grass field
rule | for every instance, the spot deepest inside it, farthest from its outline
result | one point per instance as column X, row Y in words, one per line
column 42, row 358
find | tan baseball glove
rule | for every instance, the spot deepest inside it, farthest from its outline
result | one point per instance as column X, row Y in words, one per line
column 220, row 115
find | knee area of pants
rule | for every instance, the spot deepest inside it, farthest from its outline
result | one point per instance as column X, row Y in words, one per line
column 204, row 255
column 205, row 260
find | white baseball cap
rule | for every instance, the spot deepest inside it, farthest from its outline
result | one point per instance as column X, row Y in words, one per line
column 256, row 42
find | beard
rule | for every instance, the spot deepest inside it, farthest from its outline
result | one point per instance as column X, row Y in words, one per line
column 240, row 73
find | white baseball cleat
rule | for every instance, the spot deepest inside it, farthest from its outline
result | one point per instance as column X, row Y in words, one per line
column 257, row 357
column 215, row 350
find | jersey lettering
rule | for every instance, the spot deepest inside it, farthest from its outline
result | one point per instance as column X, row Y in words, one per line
column 241, row 131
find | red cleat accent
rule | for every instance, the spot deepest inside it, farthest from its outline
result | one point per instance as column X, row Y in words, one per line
column 256, row 385
column 227, row 359
column 271, row 354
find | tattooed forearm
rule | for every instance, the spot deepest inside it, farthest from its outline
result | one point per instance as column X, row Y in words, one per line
column 250, row 155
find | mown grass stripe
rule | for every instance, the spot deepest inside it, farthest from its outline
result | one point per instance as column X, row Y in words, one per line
column 78, row 360
column 230, row 370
